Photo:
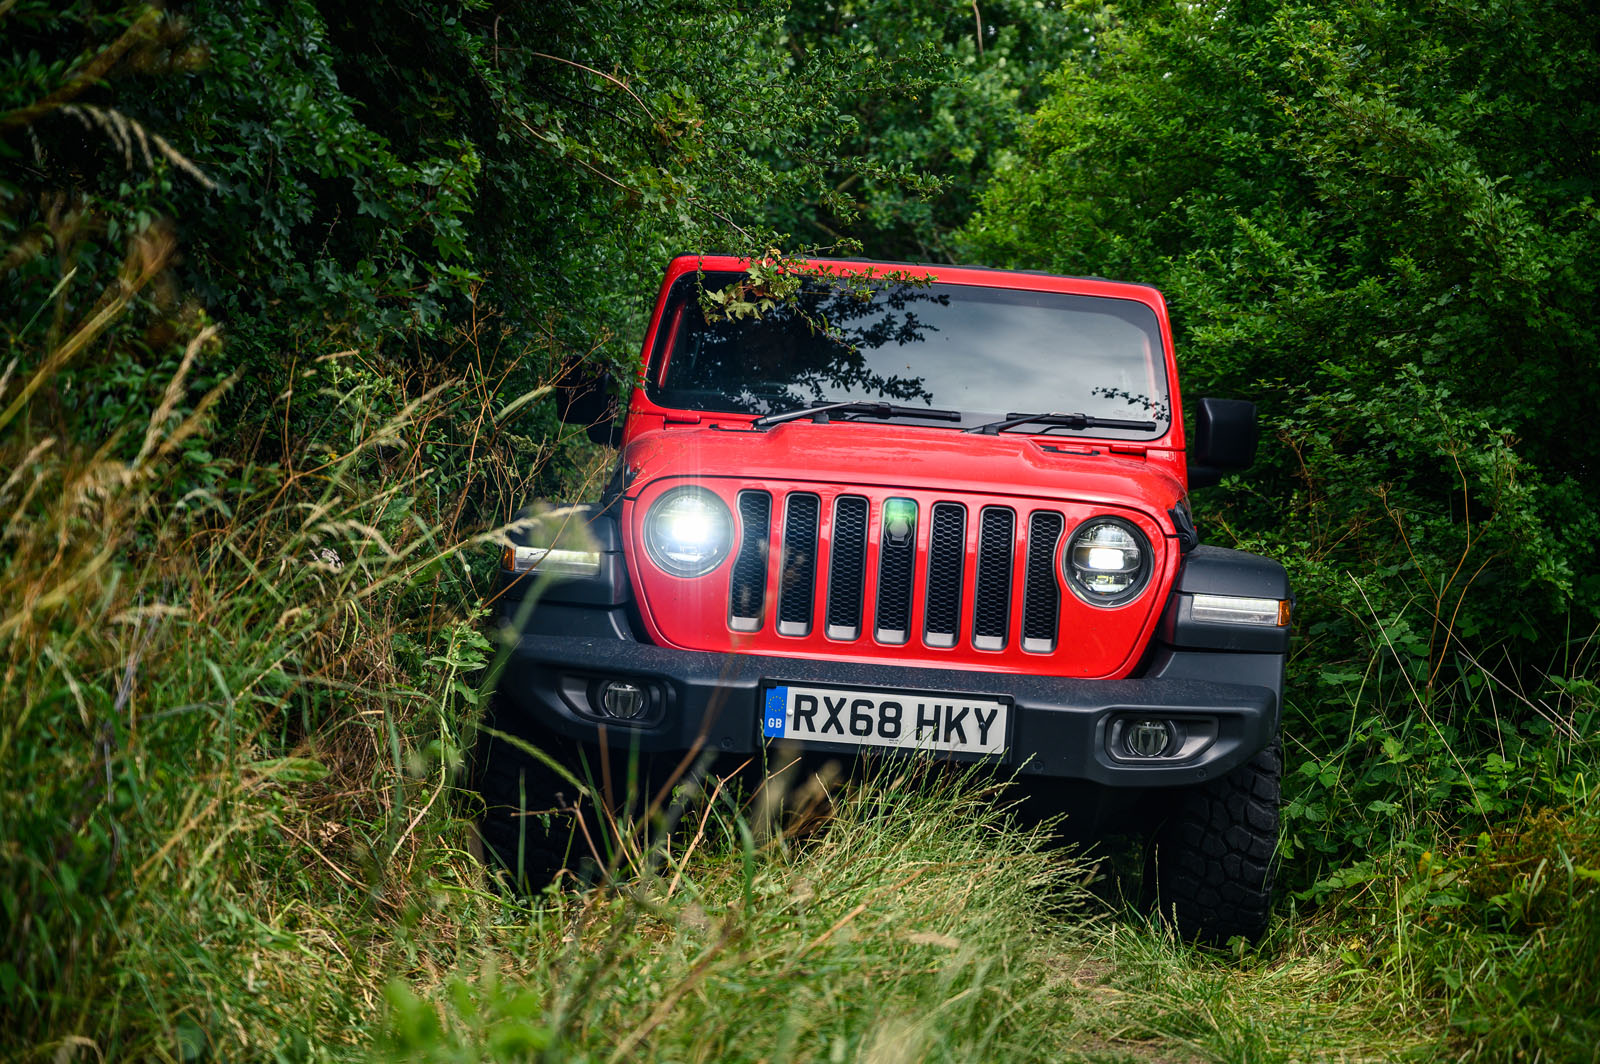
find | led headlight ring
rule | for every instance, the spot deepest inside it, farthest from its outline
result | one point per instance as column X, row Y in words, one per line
column 688, row 531
column 1107, row 561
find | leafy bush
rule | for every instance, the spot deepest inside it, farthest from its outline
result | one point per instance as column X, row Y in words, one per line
column 343, row 176
column 1370, row 220
column 940, row 92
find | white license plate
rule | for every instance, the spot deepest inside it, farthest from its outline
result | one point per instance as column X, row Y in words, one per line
column 899, row 720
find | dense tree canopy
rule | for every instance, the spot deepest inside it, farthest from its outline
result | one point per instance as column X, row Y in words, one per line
column 917, row 147
column 1375, row 219
column 377, row 172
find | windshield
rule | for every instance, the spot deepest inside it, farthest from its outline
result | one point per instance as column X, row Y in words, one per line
column 986, row 352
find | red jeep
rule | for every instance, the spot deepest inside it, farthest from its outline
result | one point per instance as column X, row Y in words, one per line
column 913, row 509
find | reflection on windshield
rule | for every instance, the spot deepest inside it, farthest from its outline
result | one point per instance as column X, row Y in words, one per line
column 983, row 351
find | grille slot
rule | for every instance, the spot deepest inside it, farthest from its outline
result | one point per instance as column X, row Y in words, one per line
column 847, row 566
column 798, row 587
column 991, row 606
column 1041, row 595
column 747, row 586
column 947, row 561
column 896, row 561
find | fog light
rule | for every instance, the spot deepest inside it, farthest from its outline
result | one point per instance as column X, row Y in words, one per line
column 1147, row 738
column 624, row 701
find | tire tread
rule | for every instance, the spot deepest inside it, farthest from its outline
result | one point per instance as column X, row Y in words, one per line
column 1214, row 857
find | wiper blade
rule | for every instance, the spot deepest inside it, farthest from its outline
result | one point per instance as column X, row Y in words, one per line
column 859, row 409
column 1071, row 421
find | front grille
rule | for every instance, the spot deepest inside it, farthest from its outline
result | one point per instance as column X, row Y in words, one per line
column 947, row 557
column 919, row 559
column 1041, row 595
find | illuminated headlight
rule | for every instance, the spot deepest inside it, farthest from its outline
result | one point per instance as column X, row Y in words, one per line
column 688, row 531
column 551, row 561
column 1234, row 609
column 1107, row 561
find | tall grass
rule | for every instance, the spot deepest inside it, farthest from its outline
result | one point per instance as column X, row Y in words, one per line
column 917, row 926
column 1475, row 901
column 232, row 696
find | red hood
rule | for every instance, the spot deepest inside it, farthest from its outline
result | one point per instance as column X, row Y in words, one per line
column 902, row 456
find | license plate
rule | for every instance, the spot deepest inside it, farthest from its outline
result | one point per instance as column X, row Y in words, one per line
column 894, row 719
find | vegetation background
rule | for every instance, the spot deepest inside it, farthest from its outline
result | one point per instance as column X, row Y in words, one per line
column 285, row 286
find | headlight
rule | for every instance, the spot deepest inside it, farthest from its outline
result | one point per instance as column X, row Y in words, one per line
column 688, row 531
column 1107, row 561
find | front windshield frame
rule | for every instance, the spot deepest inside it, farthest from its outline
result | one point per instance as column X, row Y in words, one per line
column 1140, row 315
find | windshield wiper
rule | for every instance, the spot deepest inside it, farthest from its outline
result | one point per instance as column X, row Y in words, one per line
column 1071, row 421
column 820, row 413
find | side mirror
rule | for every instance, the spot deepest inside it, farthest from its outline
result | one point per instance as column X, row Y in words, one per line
column 1225, row 438
column 583, row 397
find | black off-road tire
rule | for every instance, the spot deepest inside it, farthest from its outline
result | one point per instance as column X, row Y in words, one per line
column 529, row 824
column 1214, row 859
column 527, row 821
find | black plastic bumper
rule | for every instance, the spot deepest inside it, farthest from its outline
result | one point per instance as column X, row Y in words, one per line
column 1059, row 727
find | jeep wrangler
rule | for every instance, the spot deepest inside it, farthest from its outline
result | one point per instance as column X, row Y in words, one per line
column 911, row 509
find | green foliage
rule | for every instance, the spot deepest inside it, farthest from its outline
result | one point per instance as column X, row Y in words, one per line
column 385, row 177
column 933, row 93
column 768, row 285
column 1370, row 220
column 913, row 928
column 192, row 685
column 1498, row 931
column 284, row 288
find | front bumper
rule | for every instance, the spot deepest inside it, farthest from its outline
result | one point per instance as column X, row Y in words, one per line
column 1060, row 727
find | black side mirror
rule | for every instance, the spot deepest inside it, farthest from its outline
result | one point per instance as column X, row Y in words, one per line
column 583, row 397
column 1225, row 438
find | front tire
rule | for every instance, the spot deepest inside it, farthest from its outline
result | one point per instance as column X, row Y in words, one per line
column 537, row 824
column 1214, row 859
column 529, row 809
